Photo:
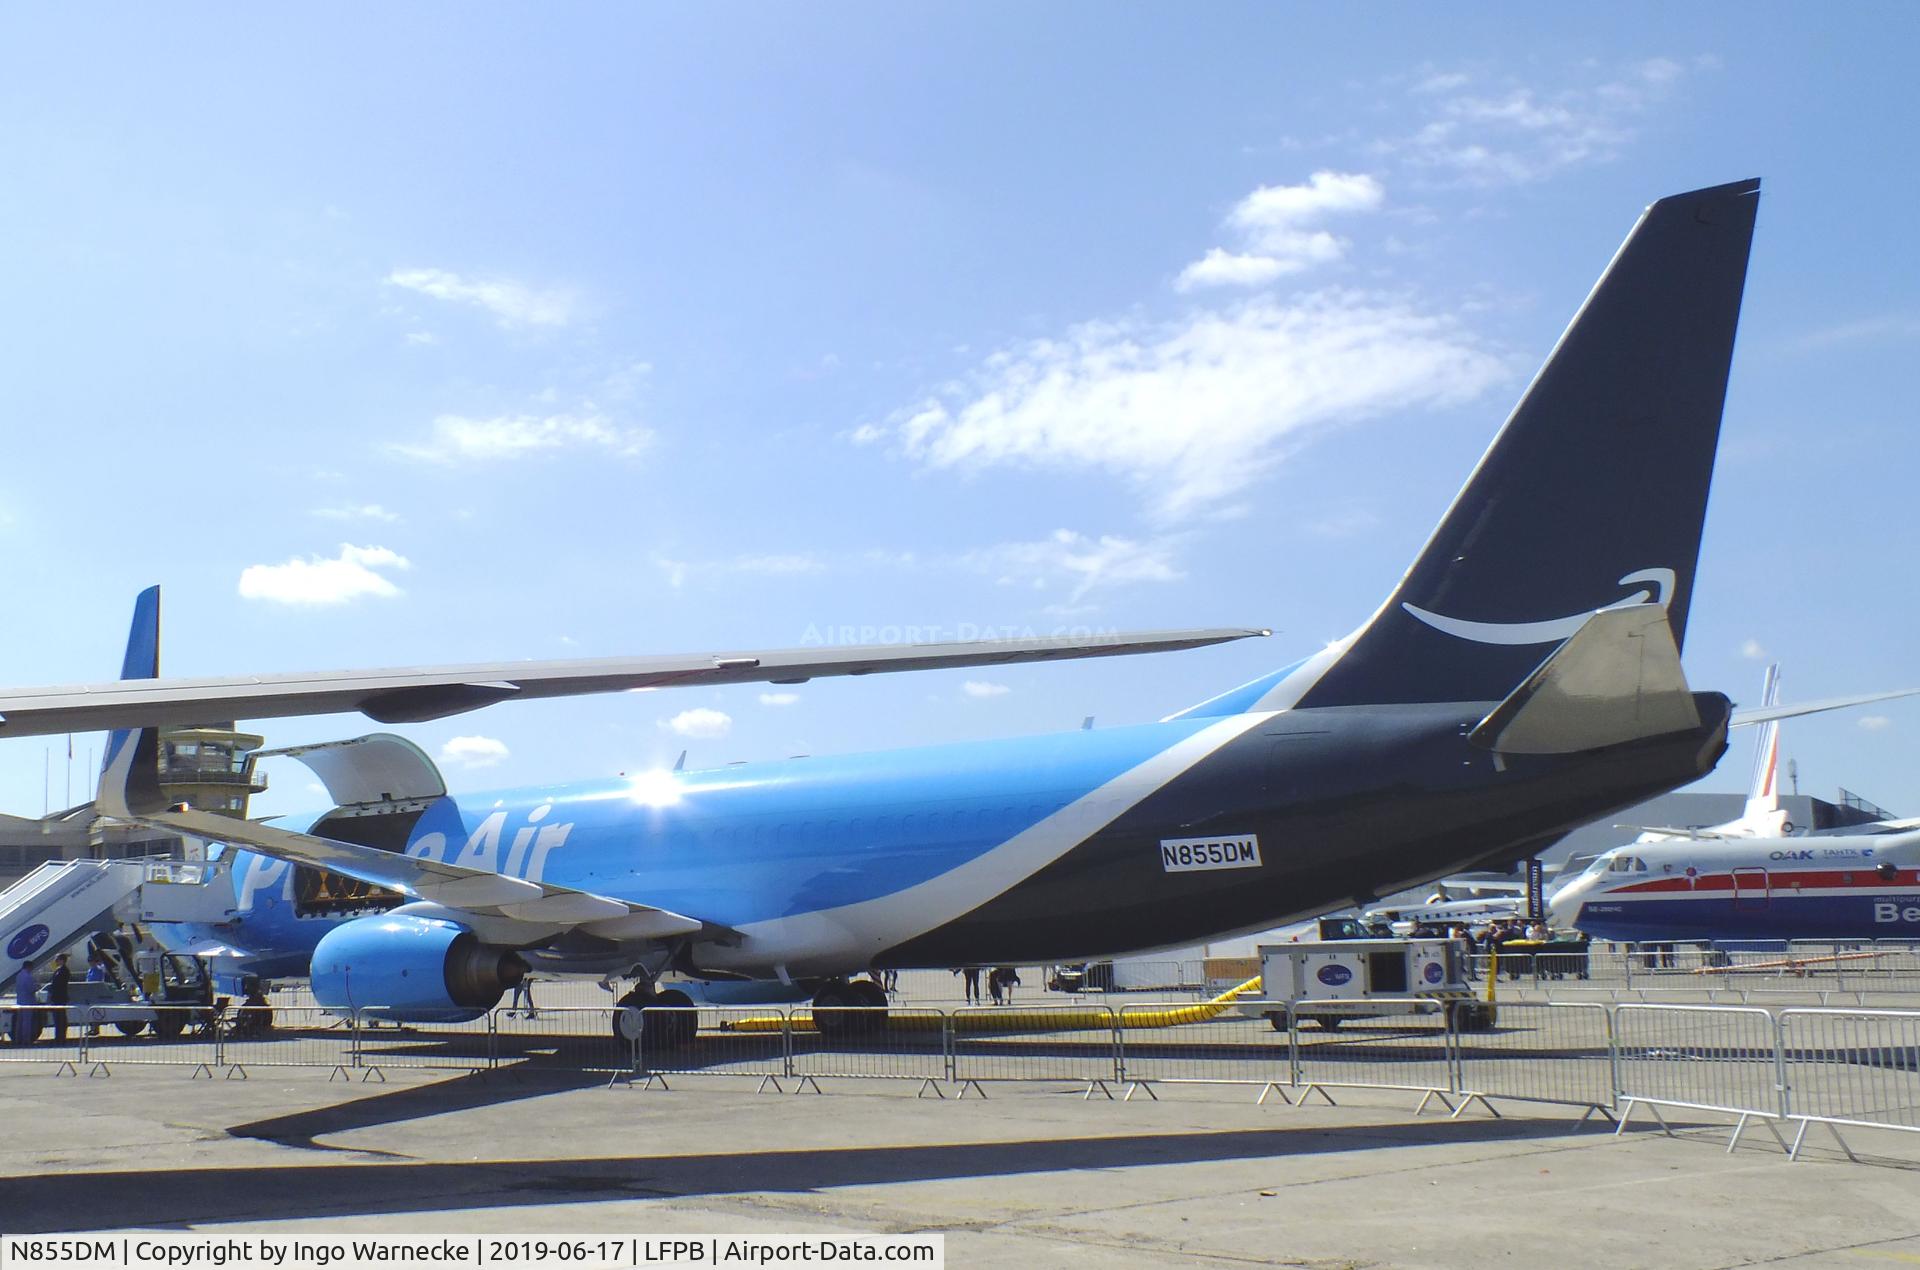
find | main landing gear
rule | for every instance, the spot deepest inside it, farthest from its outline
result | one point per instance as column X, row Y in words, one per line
column 656, row 1020
column 856, row 1008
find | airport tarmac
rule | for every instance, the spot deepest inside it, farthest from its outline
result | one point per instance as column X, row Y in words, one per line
column 1031, row 1176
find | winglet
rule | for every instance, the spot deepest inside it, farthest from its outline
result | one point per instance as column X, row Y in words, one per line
column 1616, row 679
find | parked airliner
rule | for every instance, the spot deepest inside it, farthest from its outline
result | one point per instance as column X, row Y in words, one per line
column 1522, row 678
column 1752, row 877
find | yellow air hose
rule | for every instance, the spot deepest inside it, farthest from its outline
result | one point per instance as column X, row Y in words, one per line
column 1065, row 1019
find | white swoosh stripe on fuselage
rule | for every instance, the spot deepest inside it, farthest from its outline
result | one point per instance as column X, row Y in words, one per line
column 837, row 939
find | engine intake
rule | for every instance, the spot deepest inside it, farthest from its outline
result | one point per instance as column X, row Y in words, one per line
column 412, row 969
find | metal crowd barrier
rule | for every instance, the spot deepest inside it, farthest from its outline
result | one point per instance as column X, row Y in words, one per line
column 1839, row 1068
column 1550, row 1052
column 1244, row 1044
column 1076, row 1044
column 1375, row 1044
column 871, row 1043
column 1723, row 1059
column 1857, row 1068
column 711, row 1041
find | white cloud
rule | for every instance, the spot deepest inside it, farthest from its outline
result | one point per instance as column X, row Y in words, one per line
column 456, row 437
column 422, row 337
column 1887, row 328
column 1753, row 650
column 1517, row 133
column 700, row 723
column 678, row 571
column 473, row 751
column 779, row 698
column 513, row 303
column 1084, row 563
column 1875, row 722
column 1194, row 410
column 1275, row 224
column 979, row 688
column 317, row 580
column 364, row 511
column 1221, row 268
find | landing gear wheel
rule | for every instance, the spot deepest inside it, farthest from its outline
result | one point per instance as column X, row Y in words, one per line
column 664, row 1021
column 833, row 1016
column 168, row 1024
column 135, row 1028
column 872, row 998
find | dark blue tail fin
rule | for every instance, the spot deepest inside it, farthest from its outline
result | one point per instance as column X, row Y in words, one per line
column 1592, row 495
column 142, row 660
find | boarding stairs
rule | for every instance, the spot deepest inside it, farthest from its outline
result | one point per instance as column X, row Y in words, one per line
column 64, row 900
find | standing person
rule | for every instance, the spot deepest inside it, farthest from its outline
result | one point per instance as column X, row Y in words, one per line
column 59, row 996
column 523, row 997
column 24, row 992
column 970, row 983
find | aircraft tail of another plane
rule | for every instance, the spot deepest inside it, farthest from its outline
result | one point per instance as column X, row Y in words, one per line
column 1593, row 493
column 1763, row 792
column 132, row 753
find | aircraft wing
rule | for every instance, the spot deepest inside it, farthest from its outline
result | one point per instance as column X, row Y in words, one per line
column 416, row 694
column 1766, row 714
column 130, row 791
column 480, row 893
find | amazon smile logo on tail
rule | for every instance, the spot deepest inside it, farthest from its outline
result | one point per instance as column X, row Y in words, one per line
column 1552, row 630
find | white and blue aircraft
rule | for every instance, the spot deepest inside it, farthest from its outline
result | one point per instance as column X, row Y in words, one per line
column 1521, row 679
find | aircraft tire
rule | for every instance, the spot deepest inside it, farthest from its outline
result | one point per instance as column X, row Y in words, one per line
column 833, row 1016
column 133, row 1028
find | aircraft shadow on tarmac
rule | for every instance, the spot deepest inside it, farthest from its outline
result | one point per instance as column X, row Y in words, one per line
column 256, row 1193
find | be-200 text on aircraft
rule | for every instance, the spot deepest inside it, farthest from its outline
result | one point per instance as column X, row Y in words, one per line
column 1522, row 678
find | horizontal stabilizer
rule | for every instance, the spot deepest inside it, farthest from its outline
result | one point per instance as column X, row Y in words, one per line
column 1617, row 679
column 1767, row 714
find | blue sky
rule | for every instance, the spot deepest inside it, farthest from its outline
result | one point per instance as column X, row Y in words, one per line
column 468, row 332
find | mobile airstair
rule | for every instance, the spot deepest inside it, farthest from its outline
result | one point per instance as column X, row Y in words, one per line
column 60, row 902
column 63, row 901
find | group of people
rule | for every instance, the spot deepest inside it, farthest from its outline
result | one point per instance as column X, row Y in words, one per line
column 1001, row 981
column 57, row 996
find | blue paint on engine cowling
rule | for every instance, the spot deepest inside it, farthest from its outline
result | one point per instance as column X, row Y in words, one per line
column 411, row 970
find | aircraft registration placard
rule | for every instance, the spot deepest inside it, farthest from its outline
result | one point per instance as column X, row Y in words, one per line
column 1192, row 855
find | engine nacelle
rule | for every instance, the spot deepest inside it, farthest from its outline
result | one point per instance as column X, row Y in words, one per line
column 411, row 969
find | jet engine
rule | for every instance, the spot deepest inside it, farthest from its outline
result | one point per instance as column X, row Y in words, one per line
column 412, row 969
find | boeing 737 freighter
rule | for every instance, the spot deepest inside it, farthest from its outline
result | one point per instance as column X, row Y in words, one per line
column 1522, row 678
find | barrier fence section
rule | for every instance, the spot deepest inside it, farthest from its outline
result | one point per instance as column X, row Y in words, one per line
column 868, row 1043
column 1379, row 1043
column 1705, row 1058
column 707, row 1040
column 1850, row 1067
column 382, row 1042
column 1076, row 1044
column 561, row 1040
column 290, row 1036
column 1552, row 1052
column 1244, row 1044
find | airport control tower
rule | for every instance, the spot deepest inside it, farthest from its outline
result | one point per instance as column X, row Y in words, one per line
column 210, row 768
